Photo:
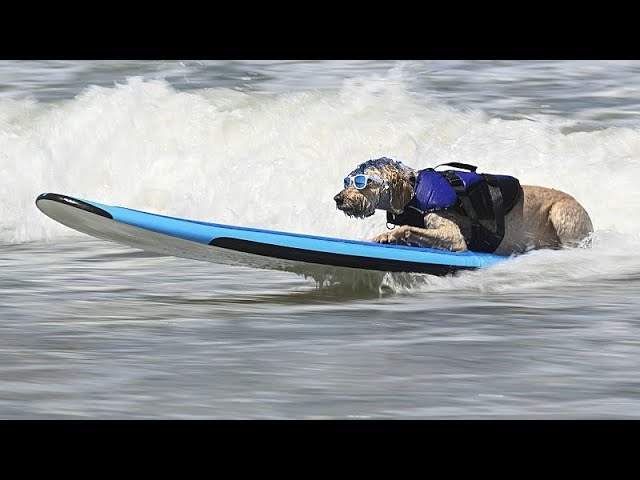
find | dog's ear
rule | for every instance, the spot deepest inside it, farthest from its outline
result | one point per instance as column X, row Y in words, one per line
column 400, row 191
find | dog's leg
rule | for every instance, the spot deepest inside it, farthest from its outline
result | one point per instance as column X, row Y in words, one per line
column 443, row 234
column 571, row 222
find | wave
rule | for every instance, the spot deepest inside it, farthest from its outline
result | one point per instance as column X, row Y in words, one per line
column 276, row 160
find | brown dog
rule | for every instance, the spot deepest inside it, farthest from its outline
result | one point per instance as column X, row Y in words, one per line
column 538, row 217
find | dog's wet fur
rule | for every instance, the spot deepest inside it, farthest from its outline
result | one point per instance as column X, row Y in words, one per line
column 542, row 218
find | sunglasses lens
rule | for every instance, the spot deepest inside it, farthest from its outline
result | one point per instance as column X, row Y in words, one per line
column 360, row 181
column 347, row 181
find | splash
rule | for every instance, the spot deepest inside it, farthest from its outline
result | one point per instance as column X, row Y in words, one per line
column 276, row 160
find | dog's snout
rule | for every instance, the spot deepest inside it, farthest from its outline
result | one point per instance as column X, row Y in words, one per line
column 339, row 198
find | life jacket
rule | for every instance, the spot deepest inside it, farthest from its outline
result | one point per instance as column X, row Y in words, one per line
column 480, row 196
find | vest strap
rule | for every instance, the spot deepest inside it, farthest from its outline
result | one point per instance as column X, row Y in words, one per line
column 482, row 239
column 463, row 198
column 411, row 215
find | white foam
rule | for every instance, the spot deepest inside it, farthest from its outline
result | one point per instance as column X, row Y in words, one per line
column 276, row 161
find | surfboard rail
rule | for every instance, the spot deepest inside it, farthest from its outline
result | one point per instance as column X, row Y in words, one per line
column 254, row 247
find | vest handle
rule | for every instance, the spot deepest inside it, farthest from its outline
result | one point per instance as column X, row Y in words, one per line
column 465, row 166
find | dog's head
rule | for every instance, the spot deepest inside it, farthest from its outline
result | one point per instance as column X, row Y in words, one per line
column 386, row 185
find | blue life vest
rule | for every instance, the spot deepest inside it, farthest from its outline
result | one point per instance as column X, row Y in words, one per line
column 484, row 198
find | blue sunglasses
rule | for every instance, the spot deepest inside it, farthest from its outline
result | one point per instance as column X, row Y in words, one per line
column 361, row 181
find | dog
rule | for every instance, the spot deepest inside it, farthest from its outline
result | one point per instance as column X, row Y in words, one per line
column 508, row 218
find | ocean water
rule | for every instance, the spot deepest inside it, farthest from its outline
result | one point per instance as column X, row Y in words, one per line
column 91, row 329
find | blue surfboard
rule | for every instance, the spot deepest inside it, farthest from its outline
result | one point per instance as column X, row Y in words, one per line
column 252, row 247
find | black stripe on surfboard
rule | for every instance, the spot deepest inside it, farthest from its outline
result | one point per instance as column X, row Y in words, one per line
column 335, row 259
column 73, row 202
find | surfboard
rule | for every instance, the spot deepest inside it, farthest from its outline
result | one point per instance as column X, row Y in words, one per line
column 249, row 247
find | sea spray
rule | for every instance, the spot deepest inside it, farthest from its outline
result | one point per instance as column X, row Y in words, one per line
column 276, row 160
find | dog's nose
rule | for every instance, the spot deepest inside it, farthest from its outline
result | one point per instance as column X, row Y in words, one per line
column 338, row 198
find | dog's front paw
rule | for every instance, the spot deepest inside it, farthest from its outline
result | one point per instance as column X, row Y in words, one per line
column 382, row 238
column 394, row 236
